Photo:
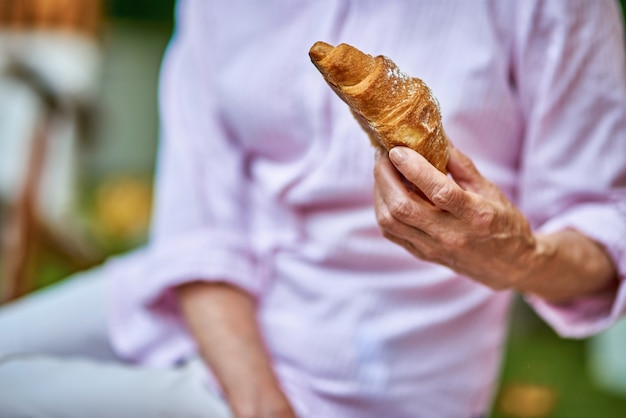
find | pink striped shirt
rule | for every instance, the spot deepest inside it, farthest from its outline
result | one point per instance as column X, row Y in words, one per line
column 265, row 181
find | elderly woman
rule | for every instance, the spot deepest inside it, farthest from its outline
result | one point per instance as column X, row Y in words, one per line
column 284, row 279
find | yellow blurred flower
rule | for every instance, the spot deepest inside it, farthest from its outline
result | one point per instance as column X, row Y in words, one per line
column 527, row 400
column 122, row 209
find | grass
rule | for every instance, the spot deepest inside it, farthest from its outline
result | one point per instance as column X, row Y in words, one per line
column 537, row 357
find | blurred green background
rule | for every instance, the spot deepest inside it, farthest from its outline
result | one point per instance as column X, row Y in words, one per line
column 542, row 376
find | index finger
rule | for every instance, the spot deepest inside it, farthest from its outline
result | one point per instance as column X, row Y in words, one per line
column 443, row 192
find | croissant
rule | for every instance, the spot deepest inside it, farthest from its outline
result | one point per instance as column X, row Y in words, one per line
column 393, row 108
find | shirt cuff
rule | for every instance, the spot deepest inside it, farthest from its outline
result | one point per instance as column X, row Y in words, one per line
column 144, row 319
column 606, row 225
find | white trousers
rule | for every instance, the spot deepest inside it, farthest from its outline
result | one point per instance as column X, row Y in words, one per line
column 56, row 361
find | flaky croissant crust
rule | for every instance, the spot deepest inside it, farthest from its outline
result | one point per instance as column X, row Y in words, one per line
column 393, row 108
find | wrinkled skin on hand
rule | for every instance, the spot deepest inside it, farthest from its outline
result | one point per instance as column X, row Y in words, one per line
column 465, row 222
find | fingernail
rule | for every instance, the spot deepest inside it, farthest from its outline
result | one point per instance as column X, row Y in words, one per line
column 397, row 155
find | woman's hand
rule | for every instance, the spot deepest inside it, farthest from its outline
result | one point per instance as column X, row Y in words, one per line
column 222, row 320
column 467, row 224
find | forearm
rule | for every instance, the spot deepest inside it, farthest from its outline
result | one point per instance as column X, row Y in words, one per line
column 567, row 265
column 222, row 320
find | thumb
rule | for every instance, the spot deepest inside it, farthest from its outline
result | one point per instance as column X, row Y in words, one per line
column 465, row 172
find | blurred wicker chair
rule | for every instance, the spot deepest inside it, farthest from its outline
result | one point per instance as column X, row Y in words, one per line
column 24, row 229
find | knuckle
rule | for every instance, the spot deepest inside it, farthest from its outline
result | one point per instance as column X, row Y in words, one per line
column 467, row 164
column 454, row 241
column 485, row 217
column 444, row 195
column 400, row 208
column 385, row 220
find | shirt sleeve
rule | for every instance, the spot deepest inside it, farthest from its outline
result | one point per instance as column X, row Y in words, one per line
column 199, row 227
column 570, row 73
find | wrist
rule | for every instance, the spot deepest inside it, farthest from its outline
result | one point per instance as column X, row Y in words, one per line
column 259, row 399
column 242, row 384
column 534, row 264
